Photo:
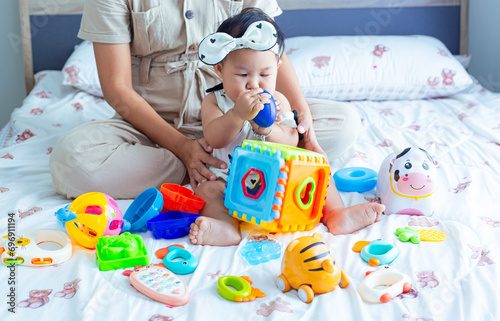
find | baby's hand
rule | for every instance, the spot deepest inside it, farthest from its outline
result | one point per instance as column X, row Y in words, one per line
column 249, row 103
column 278, row 110
column 284, row 118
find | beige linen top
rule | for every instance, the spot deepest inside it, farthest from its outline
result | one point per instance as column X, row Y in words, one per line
column 164, row 37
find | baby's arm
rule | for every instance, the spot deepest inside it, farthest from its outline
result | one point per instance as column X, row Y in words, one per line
column 281, row 134
column 219, row 129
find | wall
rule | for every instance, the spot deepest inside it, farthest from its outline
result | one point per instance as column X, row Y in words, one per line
column 484, row 42
column 12, row 90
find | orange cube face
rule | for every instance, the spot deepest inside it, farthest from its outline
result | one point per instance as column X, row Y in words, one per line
column 304, row 195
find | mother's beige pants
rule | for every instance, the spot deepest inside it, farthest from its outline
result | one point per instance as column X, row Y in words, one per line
column 113, row 157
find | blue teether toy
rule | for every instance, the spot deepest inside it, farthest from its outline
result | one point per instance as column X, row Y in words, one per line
column 256, row 252
column 185, row 266
column 267, row 116
column 355, row 179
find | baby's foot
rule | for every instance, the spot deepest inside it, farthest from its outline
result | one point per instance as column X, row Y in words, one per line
column 210, row 231
column 351, row 219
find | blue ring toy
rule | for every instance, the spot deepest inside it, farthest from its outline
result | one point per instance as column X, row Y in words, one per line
column 146, row 206
column 382, row 250
column 185, row 266
column 355, row 179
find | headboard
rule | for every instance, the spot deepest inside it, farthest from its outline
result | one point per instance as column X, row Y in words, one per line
column 49, row 27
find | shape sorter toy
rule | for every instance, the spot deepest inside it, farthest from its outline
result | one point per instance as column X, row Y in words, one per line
column 276, row 187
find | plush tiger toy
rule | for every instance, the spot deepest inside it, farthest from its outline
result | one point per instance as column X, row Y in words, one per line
column 309, row 267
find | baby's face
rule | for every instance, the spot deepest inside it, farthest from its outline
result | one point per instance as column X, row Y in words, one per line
column 247, row 69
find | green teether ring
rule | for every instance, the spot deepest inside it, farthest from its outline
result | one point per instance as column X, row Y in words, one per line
column 240, row 286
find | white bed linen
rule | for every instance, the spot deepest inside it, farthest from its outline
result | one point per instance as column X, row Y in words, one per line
column 454, row 280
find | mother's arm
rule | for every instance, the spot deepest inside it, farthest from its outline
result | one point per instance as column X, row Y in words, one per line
column 288, row 85
column 115, row 75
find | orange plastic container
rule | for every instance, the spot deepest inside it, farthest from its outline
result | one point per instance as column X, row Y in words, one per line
column 179, row 198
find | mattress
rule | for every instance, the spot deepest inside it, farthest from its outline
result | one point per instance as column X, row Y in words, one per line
column 455, row 279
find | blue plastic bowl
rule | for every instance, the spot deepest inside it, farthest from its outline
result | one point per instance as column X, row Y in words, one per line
column 146, row 206
column 171, row 224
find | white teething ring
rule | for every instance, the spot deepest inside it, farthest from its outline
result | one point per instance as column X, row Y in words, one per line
column 384, row 284
column 29, row 253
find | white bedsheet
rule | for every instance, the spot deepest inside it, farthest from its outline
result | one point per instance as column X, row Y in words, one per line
column 452, row 280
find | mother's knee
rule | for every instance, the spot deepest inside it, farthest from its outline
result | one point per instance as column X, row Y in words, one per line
column 71, row 163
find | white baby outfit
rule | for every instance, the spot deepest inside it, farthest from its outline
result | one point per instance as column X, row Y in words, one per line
column 225, row 104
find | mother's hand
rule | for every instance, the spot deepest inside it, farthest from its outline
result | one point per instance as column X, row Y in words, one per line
column 305, row 127
column 195, row 156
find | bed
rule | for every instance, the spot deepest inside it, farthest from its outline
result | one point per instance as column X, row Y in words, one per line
column 455, row 279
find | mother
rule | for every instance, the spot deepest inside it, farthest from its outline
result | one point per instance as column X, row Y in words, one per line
column 146, row 54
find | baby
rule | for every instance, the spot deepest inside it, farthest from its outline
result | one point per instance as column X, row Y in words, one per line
column 246, row 53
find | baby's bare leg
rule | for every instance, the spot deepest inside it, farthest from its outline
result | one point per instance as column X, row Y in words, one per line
column 342, row 220
column 215, row 226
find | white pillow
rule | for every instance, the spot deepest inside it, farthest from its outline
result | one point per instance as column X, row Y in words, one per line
column 375, row 67
column 80, row 70
column 464, row 60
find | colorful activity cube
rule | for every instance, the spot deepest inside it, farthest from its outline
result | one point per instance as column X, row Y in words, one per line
column 276, row 187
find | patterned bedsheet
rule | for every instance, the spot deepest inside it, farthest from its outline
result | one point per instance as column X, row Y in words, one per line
column 452, row 280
